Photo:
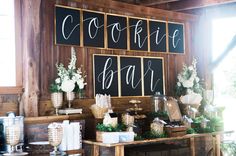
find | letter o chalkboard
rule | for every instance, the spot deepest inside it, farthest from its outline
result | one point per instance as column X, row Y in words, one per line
column 93, row 29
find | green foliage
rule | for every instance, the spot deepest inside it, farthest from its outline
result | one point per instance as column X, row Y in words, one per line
column 159, row 114
column 138, row 137
column 55, row 88
column 190, row 131
column 229, row 148
column 153, row 135
column 109, row 128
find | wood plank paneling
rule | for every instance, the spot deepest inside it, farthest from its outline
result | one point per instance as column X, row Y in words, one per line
column 41, row 54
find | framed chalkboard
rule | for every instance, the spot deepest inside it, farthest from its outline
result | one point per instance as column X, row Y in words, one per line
column 93, row 29
column 105, row 75
column 130, row 76
column 176, row 37
column 153, row 75
column 116, row 31
column 157, row 33
column 67, row 25
column 138, row 34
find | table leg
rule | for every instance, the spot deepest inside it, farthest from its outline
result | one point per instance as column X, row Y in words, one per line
column 95, row 150
column 192, row 146
column 119, row 150
column 217, row 144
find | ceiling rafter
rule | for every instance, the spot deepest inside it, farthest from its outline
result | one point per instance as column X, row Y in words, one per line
column 191, row 4
column 155, row 2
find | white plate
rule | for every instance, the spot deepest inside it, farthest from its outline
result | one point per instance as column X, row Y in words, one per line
column 39, row 143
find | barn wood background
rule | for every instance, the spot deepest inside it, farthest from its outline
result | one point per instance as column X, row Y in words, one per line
column 40, row 54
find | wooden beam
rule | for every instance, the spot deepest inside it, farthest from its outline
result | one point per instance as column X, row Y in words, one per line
column 144, row 11
column 192, row 4
column 155, row 2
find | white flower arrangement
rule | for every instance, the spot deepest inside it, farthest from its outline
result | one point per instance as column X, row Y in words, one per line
column 188, row 81
column 70, row 79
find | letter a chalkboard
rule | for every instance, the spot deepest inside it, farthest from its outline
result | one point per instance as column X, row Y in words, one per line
column 138, row 34
column 157, row 36
column 117, row 32
column 130, row 76
column 153, row 75
column 67, row 25
column 93, row 29
column 176, row 37
column 105, row 75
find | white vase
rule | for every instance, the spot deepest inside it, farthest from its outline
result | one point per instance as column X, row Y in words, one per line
column 57, row 100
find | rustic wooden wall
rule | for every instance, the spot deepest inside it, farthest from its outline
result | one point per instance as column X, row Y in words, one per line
column 40, row 54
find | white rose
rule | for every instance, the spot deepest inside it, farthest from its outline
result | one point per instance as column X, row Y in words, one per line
column 178, row 84
column 80, row 83
column 197, row 79
column 67, row 85
column 190, row 67
column 188, row 84
column 58, row 80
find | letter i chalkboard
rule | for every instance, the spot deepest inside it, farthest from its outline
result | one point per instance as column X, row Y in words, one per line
column 138, row 34
column 67, row 25
column 105, row 75
column 130, row 76
column 157, row 35
column 93, row 29
column 116, row 32
column 176, row 37
column 153, row 75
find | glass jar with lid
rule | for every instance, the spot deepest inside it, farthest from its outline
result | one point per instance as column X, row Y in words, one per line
column 158, row 102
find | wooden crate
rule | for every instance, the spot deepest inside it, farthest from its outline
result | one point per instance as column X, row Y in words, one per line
column 175, row 131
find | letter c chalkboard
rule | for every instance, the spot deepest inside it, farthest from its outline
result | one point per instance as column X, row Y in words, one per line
column 67, row 25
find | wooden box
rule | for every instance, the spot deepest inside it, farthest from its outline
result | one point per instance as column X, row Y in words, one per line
column 175, row 131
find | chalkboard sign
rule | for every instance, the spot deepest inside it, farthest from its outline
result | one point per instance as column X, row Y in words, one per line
column 93, row 29
column 67, row 25
column 157, row 33
column 130, row 76
column 153, row 76
column 116, row 32
column 138, row 34
column 176, row 37
column 105, row 75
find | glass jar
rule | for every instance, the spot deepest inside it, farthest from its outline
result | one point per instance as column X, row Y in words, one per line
column 158, row 102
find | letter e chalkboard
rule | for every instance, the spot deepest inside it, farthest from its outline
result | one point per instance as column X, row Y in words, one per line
column 116, row 32
column 153, row 75
column 176, row 37
column 130, row 76
column 157, row 36
column 105, row 75
column 67, row 25
column 93, row 29
column 138, row 34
